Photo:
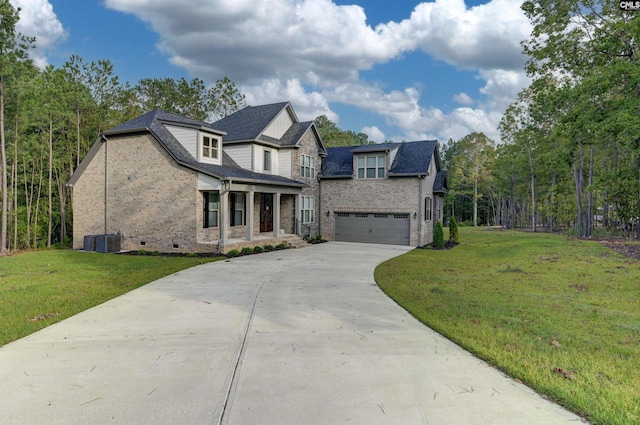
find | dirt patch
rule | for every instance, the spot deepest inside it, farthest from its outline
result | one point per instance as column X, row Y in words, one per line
column 631, row 250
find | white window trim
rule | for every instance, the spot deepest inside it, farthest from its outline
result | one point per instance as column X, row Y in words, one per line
column 377, row 168
column 307, row 209
column 265, row 153
column 201, row 147
column 307, row 166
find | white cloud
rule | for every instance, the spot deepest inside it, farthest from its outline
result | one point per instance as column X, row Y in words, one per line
column 374, row 134
column 482, row 37
column 38, row 20
column 463, row 99
column 312, row 53
column 308, row 105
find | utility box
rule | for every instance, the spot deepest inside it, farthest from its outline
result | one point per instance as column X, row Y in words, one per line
column 90, row 242
column 108, row 243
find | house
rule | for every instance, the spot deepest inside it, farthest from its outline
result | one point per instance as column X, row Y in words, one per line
column 168, row 183
column 259, row 176
column 383, row 193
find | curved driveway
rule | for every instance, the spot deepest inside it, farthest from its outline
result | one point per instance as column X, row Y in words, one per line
column 298, row 337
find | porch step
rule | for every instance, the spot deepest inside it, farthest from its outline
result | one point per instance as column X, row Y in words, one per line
column 294, row 242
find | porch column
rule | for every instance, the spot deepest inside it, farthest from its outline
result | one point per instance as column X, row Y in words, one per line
column 224, row 212
column 296, row 219
column 276, row 215
column 250, row 212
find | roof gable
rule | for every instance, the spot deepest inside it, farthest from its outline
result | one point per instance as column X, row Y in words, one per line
column 154, row 123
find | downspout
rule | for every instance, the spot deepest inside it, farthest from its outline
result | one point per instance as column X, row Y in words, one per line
column 420, row 221
column 319, row 205
column 106, row 180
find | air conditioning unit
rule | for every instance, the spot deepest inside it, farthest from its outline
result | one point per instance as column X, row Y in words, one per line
column 108, row 243
column 90, row 242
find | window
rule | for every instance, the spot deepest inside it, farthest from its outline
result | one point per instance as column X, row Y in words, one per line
column 237, row 209
column 209, row 147
column 308, row 166
column 211, row 206
column 371, row 167
column 267, row 161
column 428, row 209
column 308, row 209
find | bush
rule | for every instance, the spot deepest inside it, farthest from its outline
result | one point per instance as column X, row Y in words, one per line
column 438, row 236
column 453, row 229
column 192, row 255
column 156, row 253
column 280, row 246
column 246, row 250
column 268, row 248
column 258, row 250
column 233, row 253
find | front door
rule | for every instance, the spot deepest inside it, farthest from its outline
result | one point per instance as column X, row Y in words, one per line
column 266, row 212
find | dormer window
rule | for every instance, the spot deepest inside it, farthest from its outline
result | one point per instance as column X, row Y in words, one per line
column 371, row 166
column 209, row 147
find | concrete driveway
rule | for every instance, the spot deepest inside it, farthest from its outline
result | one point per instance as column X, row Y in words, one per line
column 296, row 337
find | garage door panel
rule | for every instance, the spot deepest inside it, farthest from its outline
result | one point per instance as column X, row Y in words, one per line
column 386, row 228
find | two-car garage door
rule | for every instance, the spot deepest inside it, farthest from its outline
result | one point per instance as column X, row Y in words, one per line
column 387, row 228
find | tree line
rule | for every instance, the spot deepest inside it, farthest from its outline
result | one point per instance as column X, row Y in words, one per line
column 49, row 118
column 570, row 153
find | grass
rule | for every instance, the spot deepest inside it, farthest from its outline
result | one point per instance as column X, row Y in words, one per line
column 40, row 288
column 561, row 315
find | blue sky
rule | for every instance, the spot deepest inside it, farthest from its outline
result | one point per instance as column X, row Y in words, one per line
column 401, row 70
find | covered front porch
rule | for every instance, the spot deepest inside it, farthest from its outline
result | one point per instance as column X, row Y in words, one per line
column 242, row 215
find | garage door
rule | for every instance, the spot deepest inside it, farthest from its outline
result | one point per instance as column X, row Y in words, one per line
column 372, row 228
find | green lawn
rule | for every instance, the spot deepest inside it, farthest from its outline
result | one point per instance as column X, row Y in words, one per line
column 40, row 288
column 561, row 315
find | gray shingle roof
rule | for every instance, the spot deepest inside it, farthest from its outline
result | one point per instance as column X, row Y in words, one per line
column 441, row 185
column 411, row 159
column 249, row 123
column 338, row 163
column 154, row 123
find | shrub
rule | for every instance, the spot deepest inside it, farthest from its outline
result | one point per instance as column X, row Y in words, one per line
column 268, row 248
column 438, row 236
column 258, row 250
column 453, row 229
column 143, row 252
column 156, row 253
column 233, row 253
column 192, row 255
column 247, row 250
column 280, row 246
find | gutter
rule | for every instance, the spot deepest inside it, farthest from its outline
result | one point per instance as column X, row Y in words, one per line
column 418, row 175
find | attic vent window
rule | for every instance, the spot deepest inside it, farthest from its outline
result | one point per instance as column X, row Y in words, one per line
column 209, row 147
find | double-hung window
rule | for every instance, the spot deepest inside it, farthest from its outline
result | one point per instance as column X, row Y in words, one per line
column 371, row 167
column 307, row 166
column 428, row 209
column 237, row 217
column 308, row 209
column 211, row 207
